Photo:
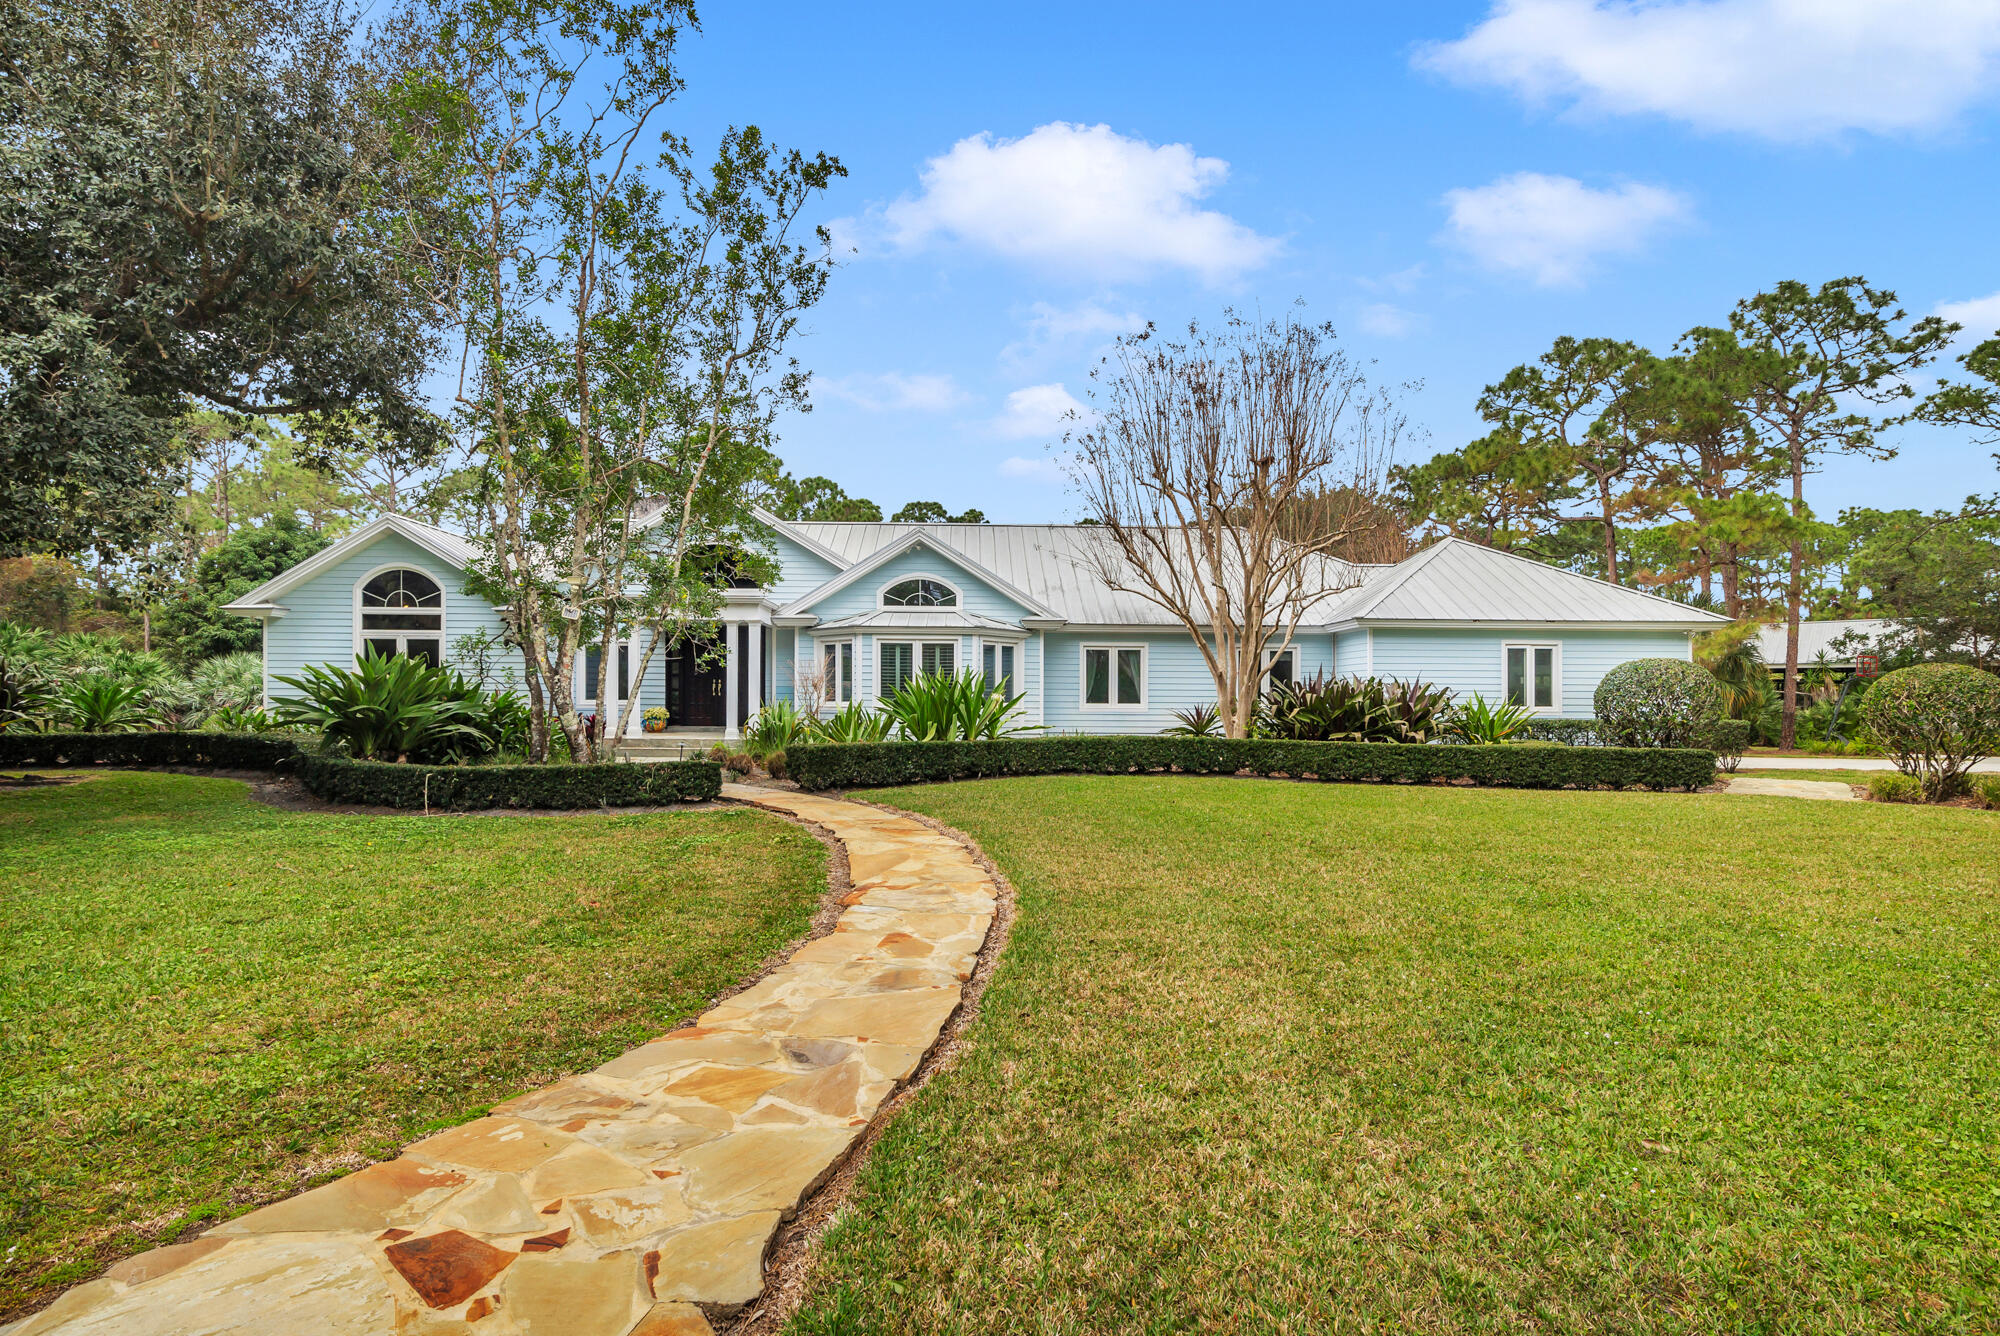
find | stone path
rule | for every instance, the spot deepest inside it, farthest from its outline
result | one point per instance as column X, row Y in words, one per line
column 634, row 1200
column 1762, row 787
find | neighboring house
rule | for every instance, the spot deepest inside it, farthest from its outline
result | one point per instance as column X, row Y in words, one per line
column 1816, row 638
column 870, row 605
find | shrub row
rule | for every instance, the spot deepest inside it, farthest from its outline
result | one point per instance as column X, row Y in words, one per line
column 220, row 751
column 871, row 764
column 377, row 783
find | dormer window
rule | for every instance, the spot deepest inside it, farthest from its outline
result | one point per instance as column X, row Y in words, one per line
column 402, row 612
column 920, row 592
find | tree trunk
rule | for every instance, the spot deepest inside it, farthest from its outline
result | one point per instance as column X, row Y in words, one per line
column 1795, row 582
column 1732, row 582
column 1610, row 532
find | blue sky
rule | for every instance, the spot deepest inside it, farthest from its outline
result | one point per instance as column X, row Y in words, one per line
column 1452, row 185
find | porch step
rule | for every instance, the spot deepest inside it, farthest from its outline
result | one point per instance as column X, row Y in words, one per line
column 675, row 744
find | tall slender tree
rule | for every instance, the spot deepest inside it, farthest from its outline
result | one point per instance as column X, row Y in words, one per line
column 1819, row 362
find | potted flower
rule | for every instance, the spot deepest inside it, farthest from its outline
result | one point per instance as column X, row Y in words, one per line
column 656, row 719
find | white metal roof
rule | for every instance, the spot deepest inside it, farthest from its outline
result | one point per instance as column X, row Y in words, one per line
column 1461, row 582
column 1816, row 638
column 940, row 619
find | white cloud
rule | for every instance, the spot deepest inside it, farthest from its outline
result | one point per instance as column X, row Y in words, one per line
column 1037, row 470
column 1051, row 328
column 894, row 391
column 1403, row 280
column 1979, row 315
column 1782, row 69
column 1081, row 198
column 1552, row 228
column 1388, row 322
column 1039, row 410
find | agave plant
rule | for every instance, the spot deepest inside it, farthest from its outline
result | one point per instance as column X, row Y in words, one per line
column 1351, row 709
column 853, row 722
column 96, row 702
column 396, row 708
column 937, row 707
column 1196, row 721
column 777, row 726
column 1482, row 724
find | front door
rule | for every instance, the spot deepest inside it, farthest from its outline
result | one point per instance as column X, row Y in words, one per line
column 695, row 687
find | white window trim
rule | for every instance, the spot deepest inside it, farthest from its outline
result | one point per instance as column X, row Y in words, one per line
column 1271, row 657
column 1014, row 678
column 444, row 608
column 1555, row 705
column 1083, row 674
column 834, row 700
column 586, row 681
column 957, row 595
column 916, row 644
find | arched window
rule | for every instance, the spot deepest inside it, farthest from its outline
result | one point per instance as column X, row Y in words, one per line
column 402, row 612
column 921, row 592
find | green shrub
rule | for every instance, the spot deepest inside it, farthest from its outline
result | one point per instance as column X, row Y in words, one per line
column 1659, row 703
column 774, row 728
column 853, row 722
column 233, row 682
column 1986, row 788
column 1893, row 787
column 98, row 702
column 403, row 709
column 27, row 676
column 1481, row 724
column 865, row 765
column 1352, row 709
column 1569, row 732
column 1937, row 720
column 375, row 783
column 941, row 707
column 1731, row 737
column 479, row 787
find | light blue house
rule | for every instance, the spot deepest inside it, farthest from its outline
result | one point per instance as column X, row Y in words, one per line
column 859, row 608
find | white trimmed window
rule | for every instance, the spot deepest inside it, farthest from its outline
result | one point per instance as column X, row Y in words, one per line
column 593, row 664
column 919, row 592
column 903, row 659
column 400, row 611
column 1114, row 677
column 1281, row 669
column 1532, row 674
column 996, row 665
column 836, row 663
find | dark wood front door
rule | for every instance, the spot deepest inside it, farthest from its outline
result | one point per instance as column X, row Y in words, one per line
column 695, row 687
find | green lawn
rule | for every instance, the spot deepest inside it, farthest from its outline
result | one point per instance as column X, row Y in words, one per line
column 1274, row 1057
column 206, row 1003
column 1833, row 776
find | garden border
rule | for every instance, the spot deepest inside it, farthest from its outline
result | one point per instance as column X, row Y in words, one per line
column 881, row 764
column 456, row 788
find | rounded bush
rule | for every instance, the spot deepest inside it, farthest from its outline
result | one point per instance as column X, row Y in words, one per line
column 1659, row 703
column 1937, row 720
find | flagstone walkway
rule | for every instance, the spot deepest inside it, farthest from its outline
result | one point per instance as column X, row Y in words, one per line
column 634, row 1200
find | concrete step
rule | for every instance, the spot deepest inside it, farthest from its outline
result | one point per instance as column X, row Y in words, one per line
column 673, row 745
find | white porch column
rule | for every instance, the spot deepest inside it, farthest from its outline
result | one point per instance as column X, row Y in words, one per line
column 731, row 657
column 756, row 681
column 637, row 727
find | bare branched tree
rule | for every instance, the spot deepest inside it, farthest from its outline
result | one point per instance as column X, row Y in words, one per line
column 1205, row 468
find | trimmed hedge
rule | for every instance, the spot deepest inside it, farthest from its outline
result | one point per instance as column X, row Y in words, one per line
column 221, row 751
column 337, row 779
column 876, row 764
column 1569, row 732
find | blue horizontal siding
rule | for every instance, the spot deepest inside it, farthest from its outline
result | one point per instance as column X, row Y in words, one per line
column 800, row 570
column 1469, row 661
column 318, row 625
